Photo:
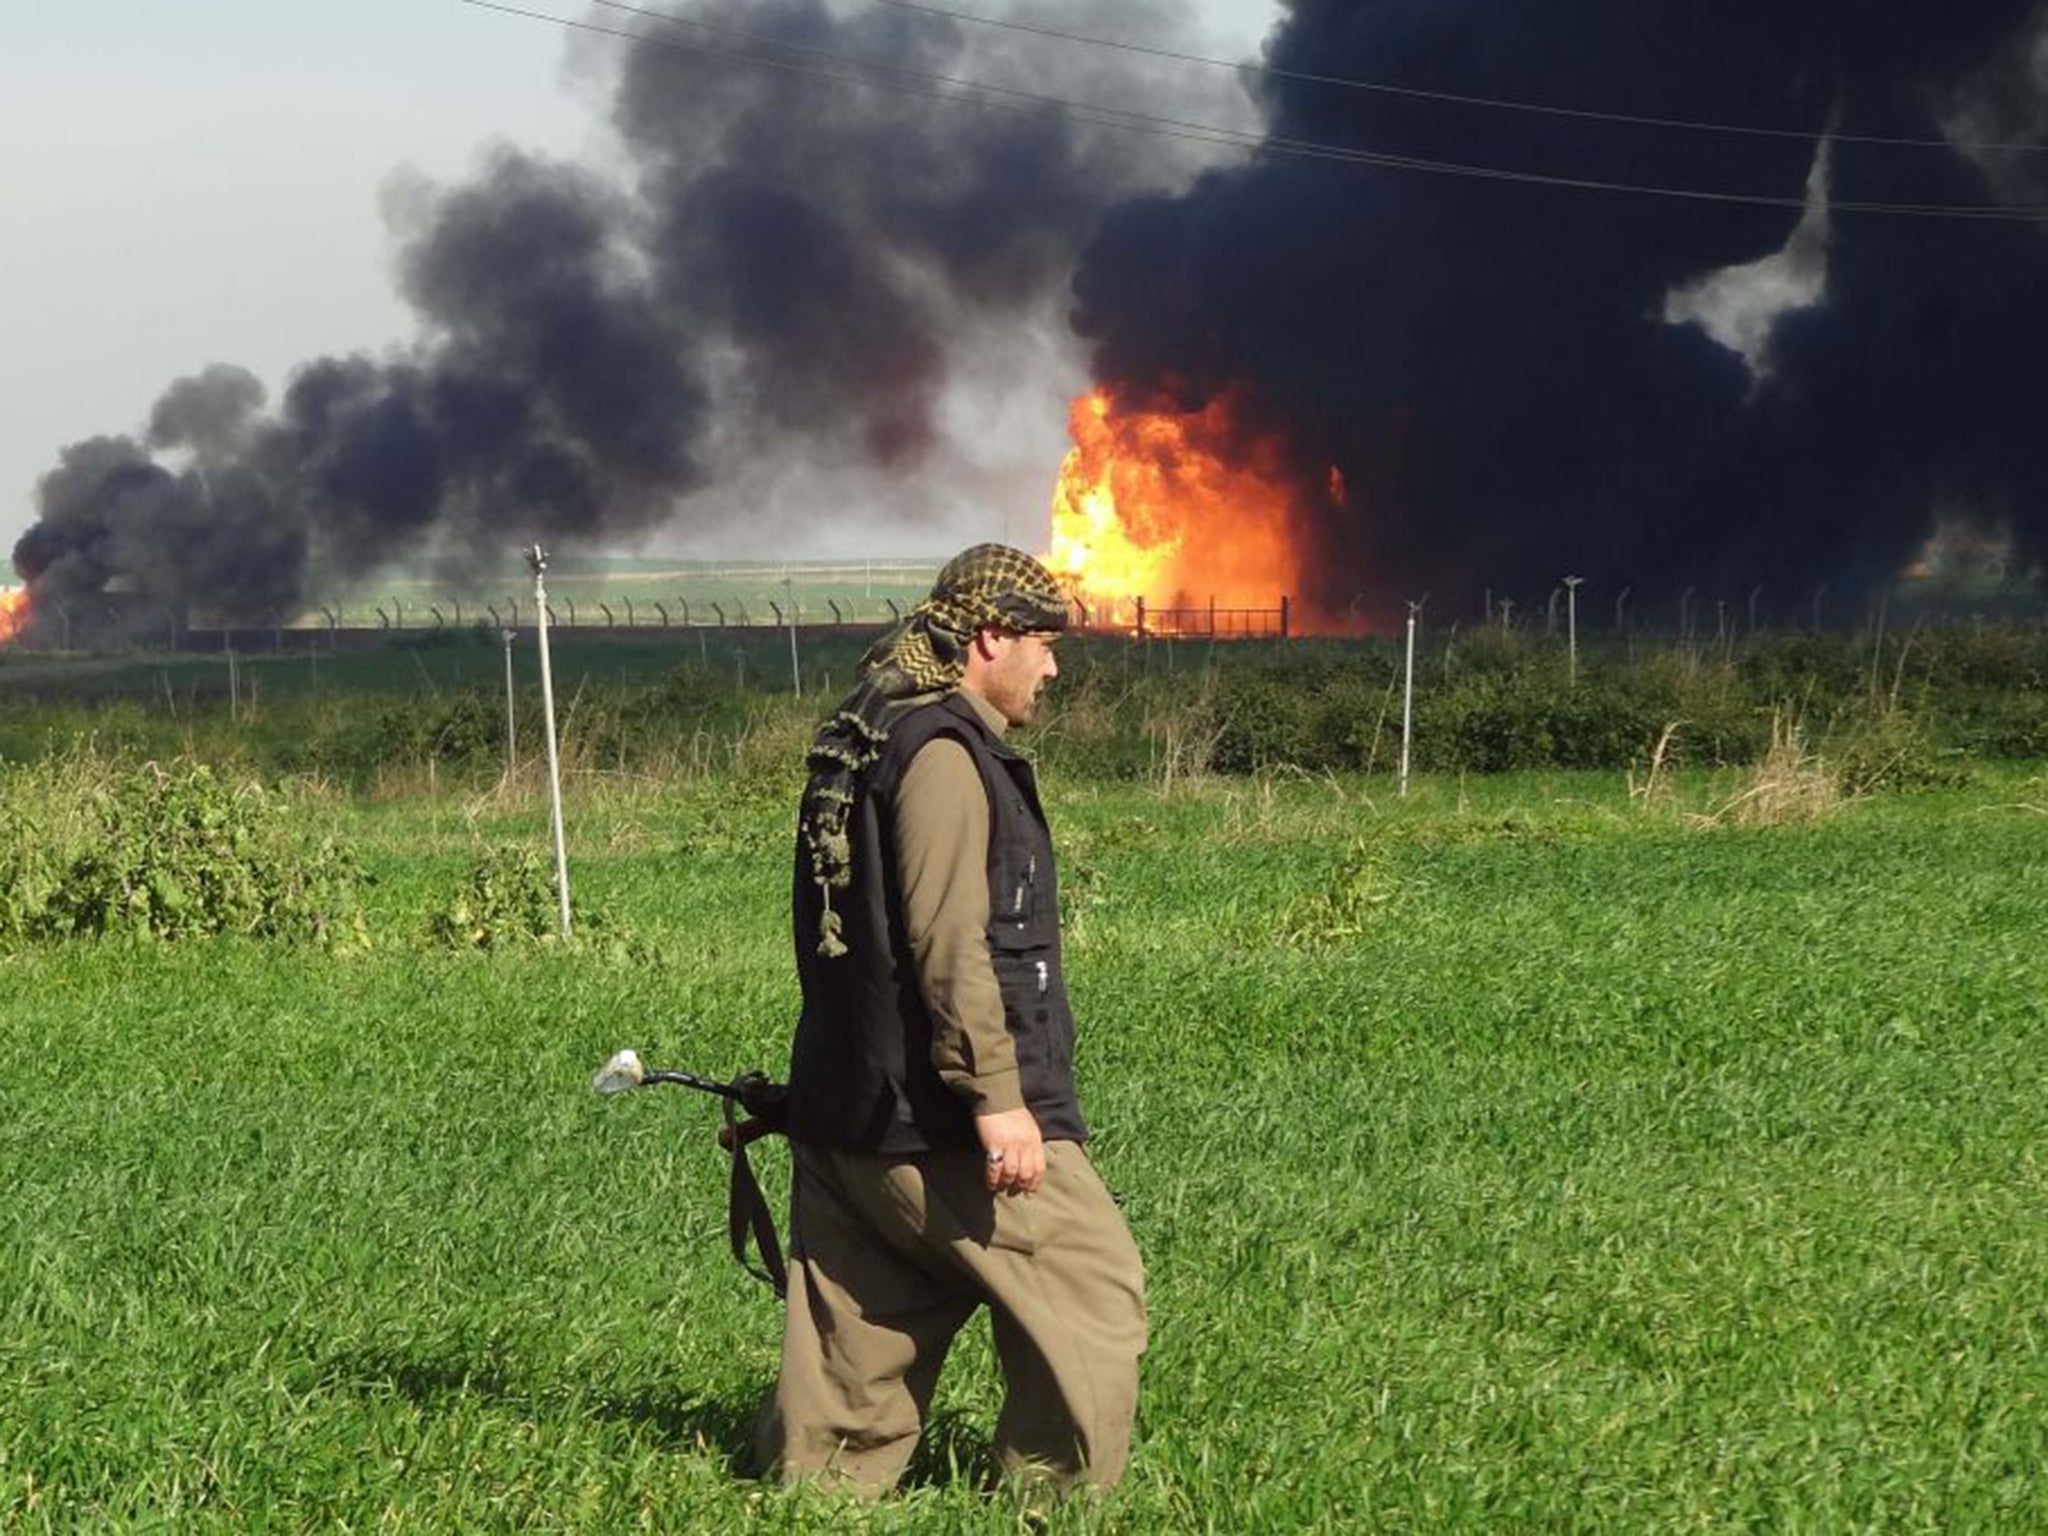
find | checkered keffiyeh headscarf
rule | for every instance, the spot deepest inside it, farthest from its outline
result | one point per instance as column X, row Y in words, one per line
column 916, row 663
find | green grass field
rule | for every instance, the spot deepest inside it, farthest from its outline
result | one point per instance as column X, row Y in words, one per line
column 1512, row 1157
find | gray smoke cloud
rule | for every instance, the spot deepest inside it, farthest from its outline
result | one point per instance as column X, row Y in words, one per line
column 787, row 270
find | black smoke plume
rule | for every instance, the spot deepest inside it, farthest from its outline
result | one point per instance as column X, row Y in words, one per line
column 1491, row 365
column 787, row 268
column 792, row 270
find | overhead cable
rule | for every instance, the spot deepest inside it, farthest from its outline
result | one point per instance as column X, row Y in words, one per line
column 1456, row 98
column 880, row 75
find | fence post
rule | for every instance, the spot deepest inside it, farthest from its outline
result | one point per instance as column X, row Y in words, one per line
column 796, row 676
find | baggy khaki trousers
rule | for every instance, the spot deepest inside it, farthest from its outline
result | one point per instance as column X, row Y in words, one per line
column 889, row 1256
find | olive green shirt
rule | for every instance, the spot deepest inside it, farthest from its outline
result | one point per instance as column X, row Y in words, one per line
column 941, row 835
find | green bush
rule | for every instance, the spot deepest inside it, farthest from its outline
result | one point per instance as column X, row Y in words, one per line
column 1892, row 749
column 2000, row 657
column 1991, row 723
column 508, row 897
column 1261, row 722
column 177, row 853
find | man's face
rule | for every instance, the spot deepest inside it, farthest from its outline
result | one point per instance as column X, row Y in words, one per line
column 1016, row 671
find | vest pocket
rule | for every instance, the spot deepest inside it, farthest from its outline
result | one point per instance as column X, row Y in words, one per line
column 1025, row 918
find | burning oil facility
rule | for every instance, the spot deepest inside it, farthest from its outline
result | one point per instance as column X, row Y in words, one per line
column 1744, row 297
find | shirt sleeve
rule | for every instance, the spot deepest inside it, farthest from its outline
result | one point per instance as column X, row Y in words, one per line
column 941, row 831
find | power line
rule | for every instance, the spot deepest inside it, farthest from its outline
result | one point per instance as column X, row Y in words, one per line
column 1455, row 98
column 974, row 93
column 911, row 82
column 951, row 83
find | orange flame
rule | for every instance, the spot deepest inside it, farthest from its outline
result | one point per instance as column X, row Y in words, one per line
column 13, row 614
column 1172, row 508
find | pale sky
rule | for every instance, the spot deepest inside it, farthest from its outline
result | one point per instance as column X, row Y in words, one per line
column 196, row 182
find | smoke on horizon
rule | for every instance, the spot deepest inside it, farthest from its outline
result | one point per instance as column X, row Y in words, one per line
column 1514, row 381
column 784, row 276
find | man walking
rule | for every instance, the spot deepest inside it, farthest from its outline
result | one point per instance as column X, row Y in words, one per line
column 936, row 1131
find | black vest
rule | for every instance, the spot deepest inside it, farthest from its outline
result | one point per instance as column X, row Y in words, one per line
column 860, row 1072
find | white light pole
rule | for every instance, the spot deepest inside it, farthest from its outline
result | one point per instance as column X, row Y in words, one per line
column 538, row 559
column 1408, row 694
column 511, row 719
column 1571, row 623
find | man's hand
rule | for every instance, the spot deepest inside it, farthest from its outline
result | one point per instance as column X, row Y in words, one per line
column 1015, row 1151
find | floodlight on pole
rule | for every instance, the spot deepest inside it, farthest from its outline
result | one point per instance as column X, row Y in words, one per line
column 537, row 558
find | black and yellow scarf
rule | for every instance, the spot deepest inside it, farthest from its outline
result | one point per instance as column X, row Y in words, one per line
column 916, row 663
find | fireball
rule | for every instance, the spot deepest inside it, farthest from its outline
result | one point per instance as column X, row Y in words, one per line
column 13, row 613
column 1177, row 509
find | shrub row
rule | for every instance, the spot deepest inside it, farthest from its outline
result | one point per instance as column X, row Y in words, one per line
column 1485, row 702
